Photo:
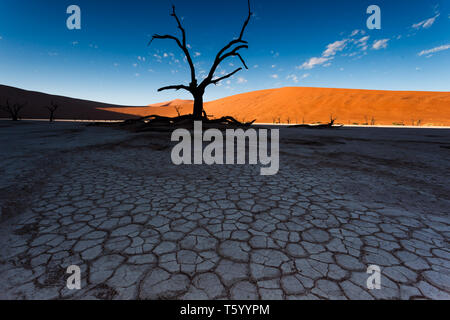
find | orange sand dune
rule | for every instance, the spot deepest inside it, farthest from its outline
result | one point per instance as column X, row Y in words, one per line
column 69, row 108
column 311, row 105
column 293, row 105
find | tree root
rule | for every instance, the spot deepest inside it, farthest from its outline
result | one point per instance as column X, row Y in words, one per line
column 156, row 120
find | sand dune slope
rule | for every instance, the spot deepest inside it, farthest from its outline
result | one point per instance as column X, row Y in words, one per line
column 291, row 104
column 348, row 106
column 310, row 105
column 69, row 108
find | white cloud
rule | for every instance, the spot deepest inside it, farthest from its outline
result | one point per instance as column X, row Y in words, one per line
column 292, row 77
column 256, row 66
column 354, row 33
column 426, row 23
column 380, row 44
column 434, row 50
column 315, row 61
column 345, row 44
column 116, row 64
column 275, row 76
column 334, row 47
column 273, row 66
column 197, row 54
column 306, row 75
column 241, row 80
column 135, row 65
column 363, row 41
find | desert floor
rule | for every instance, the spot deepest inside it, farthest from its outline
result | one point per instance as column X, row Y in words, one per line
column 113, row 203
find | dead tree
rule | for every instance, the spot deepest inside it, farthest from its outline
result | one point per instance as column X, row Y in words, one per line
column 177, row 109
column 198, row 89
column 332, row 120
column 52, row 108
column 14, row 109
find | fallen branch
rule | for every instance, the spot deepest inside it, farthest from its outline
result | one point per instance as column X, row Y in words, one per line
column 317, row 126
column 329, row 125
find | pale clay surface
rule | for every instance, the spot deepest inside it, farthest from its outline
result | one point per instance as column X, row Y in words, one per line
column 141, row 228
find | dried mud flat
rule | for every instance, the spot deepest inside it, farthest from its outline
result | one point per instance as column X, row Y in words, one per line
column 139, row 227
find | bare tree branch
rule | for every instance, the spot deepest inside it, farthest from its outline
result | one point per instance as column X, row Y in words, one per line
column 182, row 44
column 183, row 32
column 166, row 36
column 215, row 81
column 221, row 55
column 246, row 21
column 233, row 52
column 175, row 87
column 53, row 106
column 239, row 40
column 242, row 60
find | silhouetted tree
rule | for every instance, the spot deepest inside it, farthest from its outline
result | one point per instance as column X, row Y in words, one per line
column 52, row 108
column 230, row 50
column 13, row 110
column 332, row 120
column 177, row 109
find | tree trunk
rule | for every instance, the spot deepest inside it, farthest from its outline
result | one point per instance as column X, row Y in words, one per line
column 198, row 106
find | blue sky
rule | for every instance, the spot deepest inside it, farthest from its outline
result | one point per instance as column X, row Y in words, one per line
column 292, row 43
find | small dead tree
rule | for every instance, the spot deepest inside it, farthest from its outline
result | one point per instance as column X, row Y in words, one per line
column 51, row 109
column 332, row 120
column 13, row 109
column 177, row 109
column 198, row 89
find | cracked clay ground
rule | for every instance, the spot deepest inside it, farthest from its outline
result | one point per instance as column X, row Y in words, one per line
column 139, row 227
